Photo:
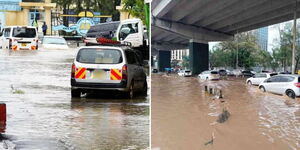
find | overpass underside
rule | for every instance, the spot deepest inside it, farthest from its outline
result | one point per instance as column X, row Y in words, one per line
column 178, row 24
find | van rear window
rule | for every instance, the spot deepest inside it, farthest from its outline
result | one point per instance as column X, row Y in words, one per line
column 99, row 56
column 24, row 32
column 214, row 72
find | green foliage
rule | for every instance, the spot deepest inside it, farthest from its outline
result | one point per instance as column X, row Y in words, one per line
column 186, row 62
column 246, row 48
column 135, row 8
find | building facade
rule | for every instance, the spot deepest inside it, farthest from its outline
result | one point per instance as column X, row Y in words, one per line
column 262, row 37
column 179, row 54
column 25, row 12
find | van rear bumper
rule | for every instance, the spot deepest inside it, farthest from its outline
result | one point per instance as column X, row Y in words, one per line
column 99, row 86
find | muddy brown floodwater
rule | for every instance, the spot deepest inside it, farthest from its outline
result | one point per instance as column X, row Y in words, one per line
column 44, row 116
column 184, row 116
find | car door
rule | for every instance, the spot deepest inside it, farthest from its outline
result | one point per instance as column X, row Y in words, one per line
column 269, row 85
column 273, row 86
column 141, row 76
column 132, row 68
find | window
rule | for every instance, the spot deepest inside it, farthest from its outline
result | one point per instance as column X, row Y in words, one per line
column 274, row 79
column 6, row 32
column 99, row 56
column 287, row 79
column 24, row 32
column 127, row 29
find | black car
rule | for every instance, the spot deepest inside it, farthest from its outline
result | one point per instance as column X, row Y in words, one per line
column 222, row 72
column 247, row 73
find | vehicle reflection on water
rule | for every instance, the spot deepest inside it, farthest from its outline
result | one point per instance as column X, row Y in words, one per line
column 44, row 116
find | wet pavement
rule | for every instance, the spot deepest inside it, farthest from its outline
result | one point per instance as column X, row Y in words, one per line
column 35, row 85
column 184, row 116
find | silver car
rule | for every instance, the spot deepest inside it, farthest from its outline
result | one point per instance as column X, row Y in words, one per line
column 282, row 84
column 107, row 68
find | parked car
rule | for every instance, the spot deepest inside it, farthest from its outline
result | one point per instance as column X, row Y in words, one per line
column 222, row 72
column 185, row 73
column 101, row 68
column 209, row 75
column 247, row 73
column 53, row 42
column 154, row 70
column 282, row 84
column 19, row 38
column 258, row 78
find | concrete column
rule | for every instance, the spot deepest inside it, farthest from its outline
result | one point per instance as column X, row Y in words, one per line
column 164, row 60
column 199, row 57
column 25, row 16
column 48, row 19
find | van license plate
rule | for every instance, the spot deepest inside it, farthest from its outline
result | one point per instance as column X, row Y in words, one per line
column 23, row 44
column 98, row 74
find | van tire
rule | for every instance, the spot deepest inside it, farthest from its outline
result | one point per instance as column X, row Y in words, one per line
column 291, row 94
column 130, row 93
column 145, row 88
column 75, row 93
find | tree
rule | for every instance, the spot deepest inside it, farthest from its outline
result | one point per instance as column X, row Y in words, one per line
column 135, row 8
column 186, row 62
column 246, row 48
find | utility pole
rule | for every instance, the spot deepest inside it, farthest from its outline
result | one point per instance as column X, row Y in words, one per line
column 237, row 50
column 294, row 39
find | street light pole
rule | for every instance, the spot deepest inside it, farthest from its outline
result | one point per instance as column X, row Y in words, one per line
column 294, row 39
column 237, row 51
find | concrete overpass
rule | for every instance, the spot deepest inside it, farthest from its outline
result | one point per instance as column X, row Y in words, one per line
column 193, row 23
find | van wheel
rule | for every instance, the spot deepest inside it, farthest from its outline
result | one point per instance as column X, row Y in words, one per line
column 145, row 88
column 262, row 88
column 291, row 94
column 130, row 93
column 75, row 93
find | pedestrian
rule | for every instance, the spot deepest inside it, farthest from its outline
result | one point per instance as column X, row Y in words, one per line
column 44, row 28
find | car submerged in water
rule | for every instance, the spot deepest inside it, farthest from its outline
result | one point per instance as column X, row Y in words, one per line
column 108, row 68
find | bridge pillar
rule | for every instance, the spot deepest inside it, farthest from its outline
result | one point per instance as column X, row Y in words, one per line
column 199, row 57
column 164, row 60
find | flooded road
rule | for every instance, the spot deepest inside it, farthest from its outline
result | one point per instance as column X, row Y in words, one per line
column 42, row 115
column 184, row 116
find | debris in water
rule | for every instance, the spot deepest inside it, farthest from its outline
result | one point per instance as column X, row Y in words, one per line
column 210, row 141
column 16, row 91
column 223, row 116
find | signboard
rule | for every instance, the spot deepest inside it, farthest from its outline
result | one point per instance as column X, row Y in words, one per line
column 82, row 26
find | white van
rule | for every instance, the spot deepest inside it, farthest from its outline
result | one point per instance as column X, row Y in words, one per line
column 19, row 38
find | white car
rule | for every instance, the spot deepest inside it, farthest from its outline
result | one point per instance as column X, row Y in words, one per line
column 209, row 75
column 53, row 42
column 102, row 68
column 282, row 84
column 19, row 38
column 185, row 73
column 258, row 78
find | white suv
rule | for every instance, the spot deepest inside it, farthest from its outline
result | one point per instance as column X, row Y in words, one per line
column 19, row 38
column 108, row 68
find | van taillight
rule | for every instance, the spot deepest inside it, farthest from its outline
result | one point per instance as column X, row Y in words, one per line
column 124, row 72
column 297, row 85
column 73, row 70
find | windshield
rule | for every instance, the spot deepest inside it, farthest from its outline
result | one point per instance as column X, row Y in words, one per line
column 99, row 56
column 52, row 40
column 24, row 32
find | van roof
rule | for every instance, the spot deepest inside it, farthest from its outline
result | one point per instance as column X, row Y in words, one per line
column 19, row 26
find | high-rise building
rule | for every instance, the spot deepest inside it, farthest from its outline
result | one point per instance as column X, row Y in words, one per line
column 262, row 37
column 179, row 54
